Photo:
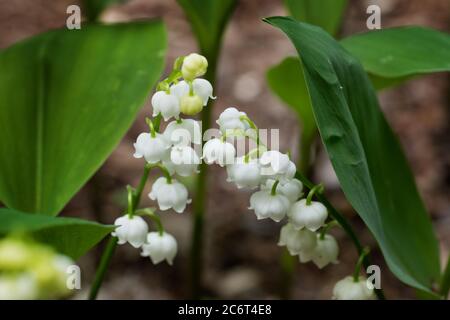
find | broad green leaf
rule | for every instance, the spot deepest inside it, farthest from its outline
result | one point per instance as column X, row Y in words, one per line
column 66, row 100
column 394, row 55
column 326, row 14
column 208, row 19
column 365, row 154
column 69, row 236
column 286, row 80
column 94, row 8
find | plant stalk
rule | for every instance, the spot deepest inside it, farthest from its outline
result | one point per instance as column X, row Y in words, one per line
column 108, row 253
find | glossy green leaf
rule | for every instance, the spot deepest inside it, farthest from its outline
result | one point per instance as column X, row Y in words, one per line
column 394, row 55
column 326, row 14
column 66, row 100
column 365, row 154
column 69, row 236
column 286, row 80
column 208, row 19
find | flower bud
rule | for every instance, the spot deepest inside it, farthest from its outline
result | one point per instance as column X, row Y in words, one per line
column 270, row 206
column 311, row 216
column 201, row 88
column 153, row 149
column 194, row 65
column 132, row 230
column 348, row 289
column 166, row 104
column 160, row 247
column 326, row 251
column 297, row 241
column 191, row 105
column 169, row 195
column 218, row 151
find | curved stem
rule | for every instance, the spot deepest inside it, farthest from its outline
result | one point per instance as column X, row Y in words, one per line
column 359, row 263
column 343, row 222
column 316, row 189
column 327, row 227
column 112, row 243
column 274, row 188
column 153, row 216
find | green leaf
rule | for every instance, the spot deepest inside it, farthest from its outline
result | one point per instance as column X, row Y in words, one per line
column 208, row 19
column 365, row 154
column 392, row 56
column 326, row 14
column 69, row 236
column 287, row 81
column 66, row 100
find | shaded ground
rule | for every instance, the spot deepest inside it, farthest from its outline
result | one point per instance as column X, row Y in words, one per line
column 242, row 259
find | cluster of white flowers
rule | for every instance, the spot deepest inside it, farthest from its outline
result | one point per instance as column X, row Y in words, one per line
column 279, row 195
column 182, row 92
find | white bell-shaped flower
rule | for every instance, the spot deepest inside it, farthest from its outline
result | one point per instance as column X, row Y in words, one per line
column 160, row 247
column 326, row 251
column 165, row 103
column 183, row 132
column 292, row 189
column 201, row 87
column 153, row 149
column 297, row 241
column 184, row 161
column 277, row 166
column 218, row 151
column 310, row 216
column 132, row 230
column 270, row 206
column 230, row 119
column 349, row 289
column 194, row 65
column 245, row 173
column 169, row 195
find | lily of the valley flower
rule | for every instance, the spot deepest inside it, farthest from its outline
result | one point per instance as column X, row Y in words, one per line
column 160, row 247
column 183, row 132
column 297, row 241
column 231, row 119
column 218, row 151
column 349, row 289
column 184, row 161
column 201, row 88
column 310, row 216
column 277, row 166
column 130, row 229
column 326, row 251
column 169, row 194
column 165, row 103
column 194, row 65
column 267, row 205
column 245, row 173
column 292, row 189
column 153, row 149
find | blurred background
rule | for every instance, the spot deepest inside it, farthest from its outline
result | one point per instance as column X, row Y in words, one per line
column 241, row 257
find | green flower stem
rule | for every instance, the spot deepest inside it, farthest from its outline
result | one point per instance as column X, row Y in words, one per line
column 196, row 254
column 305, row 149
column 151, row 127
column 359, row 263
column 149, row 212
column 274, row 188
column 327, row 227
column 112, row 243
column 316, row 189
column 445, row 282
column 343, row 222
